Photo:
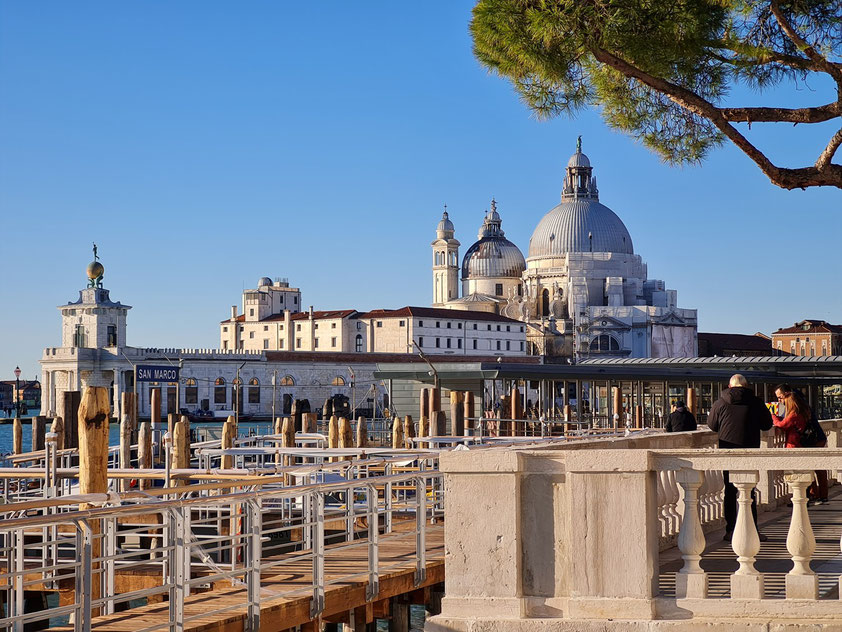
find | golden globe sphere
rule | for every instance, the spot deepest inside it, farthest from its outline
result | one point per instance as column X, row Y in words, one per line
column 95, row 270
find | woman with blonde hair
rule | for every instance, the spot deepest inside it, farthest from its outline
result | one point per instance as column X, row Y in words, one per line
column 797, row 415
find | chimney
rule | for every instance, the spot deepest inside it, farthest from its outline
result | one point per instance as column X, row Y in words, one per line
column 311, row 312
column 233, row 312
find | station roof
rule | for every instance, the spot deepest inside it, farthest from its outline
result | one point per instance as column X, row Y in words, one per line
column 760, row 368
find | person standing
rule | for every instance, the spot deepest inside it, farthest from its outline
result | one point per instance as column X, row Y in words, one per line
column 738, row 416
column 817, row 492
column 680, row 419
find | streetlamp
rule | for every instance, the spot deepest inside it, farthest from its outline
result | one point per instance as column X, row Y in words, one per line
column 17, row 391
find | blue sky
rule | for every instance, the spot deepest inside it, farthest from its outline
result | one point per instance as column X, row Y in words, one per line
column 205, row 144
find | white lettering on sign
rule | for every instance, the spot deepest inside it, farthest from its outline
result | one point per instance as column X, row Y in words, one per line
column 157, row 374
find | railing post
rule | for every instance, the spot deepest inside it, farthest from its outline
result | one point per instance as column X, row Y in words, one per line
column 801, row 581
column 254, row 551
column 691, row 581
column 176, row 544
column 420, row 530
column 317, row 604
column 746, row 582
column 373, row 588
column 17, row 578
column 109, row 549
column 84, row 579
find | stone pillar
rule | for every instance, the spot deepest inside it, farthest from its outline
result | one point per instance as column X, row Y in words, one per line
column 457, row 414
column 603, row 482
column 485, row 579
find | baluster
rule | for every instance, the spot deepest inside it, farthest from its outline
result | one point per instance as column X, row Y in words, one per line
column 705, row 506
column 691, row 581
column 801, row 581
column 672, row 502
column 720, row 494
column 662, row 504
column 746, row 582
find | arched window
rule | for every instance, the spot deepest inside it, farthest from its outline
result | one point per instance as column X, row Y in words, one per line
column 545, row 302
column 605, row 342
column 219, row 394
column 358, row 343
column 191, row 392
column 254, row 391
column 287, row 380
column 338, row 381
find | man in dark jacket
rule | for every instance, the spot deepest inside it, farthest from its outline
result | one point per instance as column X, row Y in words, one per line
column 680, row 419
column 738, row 416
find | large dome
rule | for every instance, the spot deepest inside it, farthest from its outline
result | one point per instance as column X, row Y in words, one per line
column 493, row 256
column 580, row 223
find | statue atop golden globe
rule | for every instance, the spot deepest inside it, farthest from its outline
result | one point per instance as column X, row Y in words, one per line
column 95, row 271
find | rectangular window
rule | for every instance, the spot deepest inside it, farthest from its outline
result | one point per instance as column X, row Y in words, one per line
column 298, row 328
column 219, row 394
column 475, row 344
column 448, row 343
column 251, row 334
column 265, row 343
column 420, row 341
column 315, row 325
column 254, row 394
column 111, row 336
column 521, row 345
column 315, row 343
column 265, row 327
column 498, row 327
column 475, row 325
column 359, row 326
column 401, row 323
column 295, row 300
column 298, row 343
column 459, row 326
column 379, row 323
column 281, row 328
column 438, row 343
column 420, row 323
column 448, row 325
column 508, row 328
column 508, row 345
column 191, row 395
column 280, row 344
column 333, row 342
column 251, row 312
column 498, row 345
column 521, row 329
column 333, row 325
column 224, row 329
column 489, row 328
column 79, row 336
column 224, row 344
column 498, row 289
column 438, row 323
column 459, row 343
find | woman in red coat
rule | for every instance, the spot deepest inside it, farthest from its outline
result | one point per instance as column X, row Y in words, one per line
column 793, row 424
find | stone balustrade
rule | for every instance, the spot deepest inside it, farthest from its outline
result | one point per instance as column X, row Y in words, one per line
column 581, row 531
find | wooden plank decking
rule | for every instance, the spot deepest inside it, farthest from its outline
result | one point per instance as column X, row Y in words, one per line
column 286, row 590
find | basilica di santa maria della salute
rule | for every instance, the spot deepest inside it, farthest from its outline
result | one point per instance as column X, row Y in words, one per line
column 581, row 291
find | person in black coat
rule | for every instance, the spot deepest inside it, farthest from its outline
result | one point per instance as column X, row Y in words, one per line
column 738, row 416
column 680, row 419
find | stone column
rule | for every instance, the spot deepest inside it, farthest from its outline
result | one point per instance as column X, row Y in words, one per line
column 801, row 581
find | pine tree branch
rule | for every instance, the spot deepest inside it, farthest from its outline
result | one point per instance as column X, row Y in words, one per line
column 789, row 30
column 827, row 155
column 830, row 175
column 817, row 114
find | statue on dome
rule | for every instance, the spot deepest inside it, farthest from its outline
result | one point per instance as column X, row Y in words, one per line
column 95, row 271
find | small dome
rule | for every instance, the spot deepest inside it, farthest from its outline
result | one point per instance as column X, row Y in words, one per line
column 493, row 256
column 579, row 160
column 445, row 224
column 264, row 281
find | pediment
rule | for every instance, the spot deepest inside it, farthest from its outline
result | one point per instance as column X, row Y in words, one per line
column 670, row 318
column 608, row 322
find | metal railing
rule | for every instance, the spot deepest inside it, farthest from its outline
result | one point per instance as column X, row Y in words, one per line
column 178, row 547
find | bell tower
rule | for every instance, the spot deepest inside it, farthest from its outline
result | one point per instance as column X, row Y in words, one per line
column 445, row 262
column 94, row 321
